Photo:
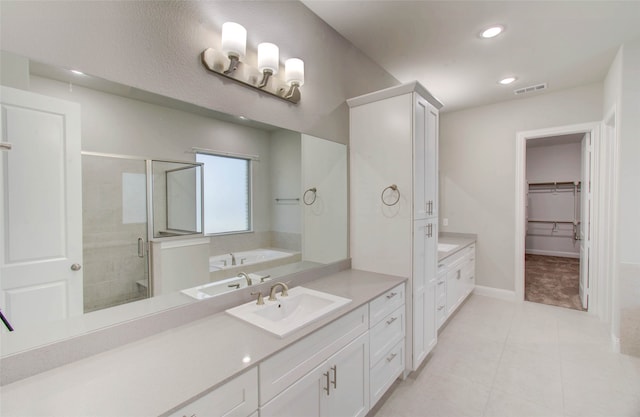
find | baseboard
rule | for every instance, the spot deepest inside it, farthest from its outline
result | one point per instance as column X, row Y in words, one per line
column 552, row 253
column 507, row 295
column 615, row 343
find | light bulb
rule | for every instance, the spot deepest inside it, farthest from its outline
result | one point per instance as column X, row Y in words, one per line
column 234, row 39
column 294, row 71
column 268, row 57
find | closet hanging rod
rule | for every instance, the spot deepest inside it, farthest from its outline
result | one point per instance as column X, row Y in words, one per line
column 555, row 183
column 553, row 221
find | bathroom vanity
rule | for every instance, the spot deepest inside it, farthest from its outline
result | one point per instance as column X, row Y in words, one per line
column 456, row 273
column 344, row 361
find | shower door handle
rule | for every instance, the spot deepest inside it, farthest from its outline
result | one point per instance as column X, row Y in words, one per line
column 140, row 247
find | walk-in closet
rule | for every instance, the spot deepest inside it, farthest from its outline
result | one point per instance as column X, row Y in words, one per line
column 556, row 194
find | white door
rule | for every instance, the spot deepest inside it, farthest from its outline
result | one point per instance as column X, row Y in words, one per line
column 585, row 215
column 41, row 210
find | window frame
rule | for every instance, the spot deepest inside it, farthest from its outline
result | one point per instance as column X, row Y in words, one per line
column 249, row 160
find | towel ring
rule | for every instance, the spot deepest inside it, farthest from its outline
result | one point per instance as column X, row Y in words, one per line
column 304, row 197
column 394, row 188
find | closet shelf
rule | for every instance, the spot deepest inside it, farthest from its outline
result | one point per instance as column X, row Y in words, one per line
column 553, row 221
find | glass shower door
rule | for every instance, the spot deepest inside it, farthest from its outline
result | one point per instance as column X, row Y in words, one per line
column 114, row 221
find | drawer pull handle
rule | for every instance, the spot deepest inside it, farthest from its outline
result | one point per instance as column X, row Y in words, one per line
column 440, row 308
column 391, row 320
column 390, row 296
column 458, row 277
column 390, row 358
column 440, row 282
column 334, row 368
column 328, row 387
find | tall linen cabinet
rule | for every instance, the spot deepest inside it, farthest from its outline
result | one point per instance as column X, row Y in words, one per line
column 394, row 188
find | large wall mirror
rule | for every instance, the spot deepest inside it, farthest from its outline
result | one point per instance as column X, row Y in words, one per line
column 166, row 202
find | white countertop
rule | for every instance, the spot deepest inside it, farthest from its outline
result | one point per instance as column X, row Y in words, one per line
column 462, row 240
column 153, row 375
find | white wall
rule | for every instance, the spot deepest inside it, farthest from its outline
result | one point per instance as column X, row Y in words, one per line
column 622, row 95
column 324, row 167
column 286, row 216
column 477, row 169
column 554, row 163
column 156, row 46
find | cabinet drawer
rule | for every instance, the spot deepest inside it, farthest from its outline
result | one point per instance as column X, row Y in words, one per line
column 441, row 311
column 385, row 304
column 387, row 370
column 386, row 334
column 295, row 361
column 236, row 398
column 441, row 287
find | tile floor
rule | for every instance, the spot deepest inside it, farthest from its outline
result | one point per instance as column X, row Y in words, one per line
column 495, row 358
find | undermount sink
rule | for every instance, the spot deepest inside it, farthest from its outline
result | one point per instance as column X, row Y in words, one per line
column 288, row 314
column 446, row 247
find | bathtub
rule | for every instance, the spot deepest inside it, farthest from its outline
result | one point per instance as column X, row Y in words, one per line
column 223, row 286
column 222, row 262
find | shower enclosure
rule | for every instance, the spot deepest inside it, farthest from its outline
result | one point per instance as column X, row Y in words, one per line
column 126, row 202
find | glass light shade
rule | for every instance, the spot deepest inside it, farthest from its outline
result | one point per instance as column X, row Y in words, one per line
column 234, row 39
column 268, row 57
column 294, row 71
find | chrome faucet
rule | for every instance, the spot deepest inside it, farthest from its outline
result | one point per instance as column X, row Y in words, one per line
column 233, row 259
column 272, row 293
column 245, row 276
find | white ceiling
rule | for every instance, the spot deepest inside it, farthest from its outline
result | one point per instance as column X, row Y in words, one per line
column 562, row 43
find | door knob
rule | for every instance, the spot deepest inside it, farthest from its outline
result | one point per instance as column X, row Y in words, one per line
column 76, row 267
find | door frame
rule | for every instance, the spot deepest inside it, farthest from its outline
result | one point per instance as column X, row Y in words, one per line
column 592, row 128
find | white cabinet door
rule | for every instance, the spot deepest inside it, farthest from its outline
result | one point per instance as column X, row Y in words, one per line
column 339, row 387
column 348, row 381
column 453, row 289
column 41, row 209
column 424, row 283
column 425, row 159
column 431, row 162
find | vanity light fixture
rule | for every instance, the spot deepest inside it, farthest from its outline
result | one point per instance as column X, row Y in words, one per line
column 228, row 62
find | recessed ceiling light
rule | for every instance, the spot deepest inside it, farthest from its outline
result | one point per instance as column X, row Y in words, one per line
column 77, row 72
column 492, row 32
column 242, row 118
column 508, row 80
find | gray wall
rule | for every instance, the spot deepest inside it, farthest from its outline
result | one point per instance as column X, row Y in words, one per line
column 477, row 169
column 155, row 46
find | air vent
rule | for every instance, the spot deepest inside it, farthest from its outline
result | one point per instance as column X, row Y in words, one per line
column 530, row 89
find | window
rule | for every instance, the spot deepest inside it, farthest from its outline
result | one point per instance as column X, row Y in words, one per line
column 227, row 193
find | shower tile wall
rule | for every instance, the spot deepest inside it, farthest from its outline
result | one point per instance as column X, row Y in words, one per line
column 111, row 264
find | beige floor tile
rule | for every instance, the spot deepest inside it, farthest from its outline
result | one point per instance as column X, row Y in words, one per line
column 496, row 358
column 532, row 375
column 507, row 405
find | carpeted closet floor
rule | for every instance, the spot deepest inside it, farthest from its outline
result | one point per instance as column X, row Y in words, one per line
column 552, row 280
